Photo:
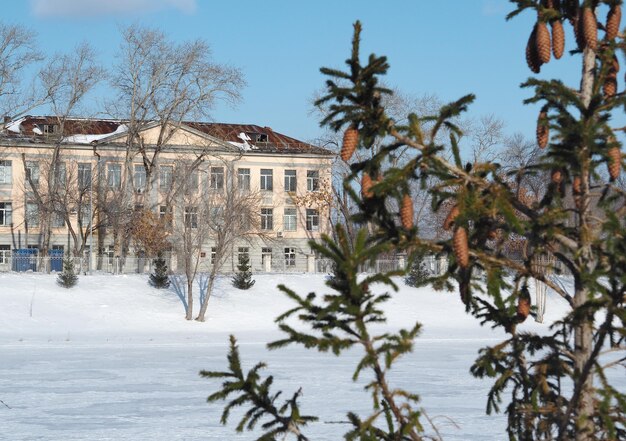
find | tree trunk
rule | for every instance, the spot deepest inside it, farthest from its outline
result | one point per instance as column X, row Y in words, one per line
column 189, row 315
column 205, row 304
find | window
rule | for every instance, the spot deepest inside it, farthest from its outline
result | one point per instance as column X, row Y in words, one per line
column 32, row 214
column 5, row 213
column 50, row 129
column 243, row 179
column 58, row 220
column 267, row 219
column 139, row 177
column 290, row 256
column 289, row 220
column 290, row 180
column 312, row 180
column 192, row 183
column 32, row 172
column 217, row 178
column 165, row 213
column 243, row 253
column 60, row 175
column 244, row 222
column 213, row 254
column 191, row 217
column 166, row 174
column 266, row 179
column 84, row 211
column 84, row 175
column 114, row 175
column 216, row 215
column 5, row 172
column 5, row 253
column 312, row 220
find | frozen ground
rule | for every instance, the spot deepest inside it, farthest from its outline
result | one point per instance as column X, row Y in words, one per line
column 113, row 359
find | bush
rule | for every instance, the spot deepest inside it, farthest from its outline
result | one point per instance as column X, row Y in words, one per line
column 243, row 278
column 159, row 278
column 68, row 277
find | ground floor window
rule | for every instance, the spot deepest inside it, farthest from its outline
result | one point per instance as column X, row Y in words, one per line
column 290, row 256
column 5, row 253
column 243, row 253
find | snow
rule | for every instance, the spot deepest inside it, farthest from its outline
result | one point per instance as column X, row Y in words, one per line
column 86, row 139
column 15, row 126
column 113, row 359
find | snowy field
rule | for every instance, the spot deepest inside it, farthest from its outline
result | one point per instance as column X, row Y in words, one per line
column 113, row 359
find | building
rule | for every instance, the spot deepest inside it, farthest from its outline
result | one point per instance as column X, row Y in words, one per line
column 74, row 184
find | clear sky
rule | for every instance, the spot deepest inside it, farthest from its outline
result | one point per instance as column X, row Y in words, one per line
column 444, row 47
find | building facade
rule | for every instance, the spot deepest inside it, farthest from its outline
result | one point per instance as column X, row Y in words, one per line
column 75, row 185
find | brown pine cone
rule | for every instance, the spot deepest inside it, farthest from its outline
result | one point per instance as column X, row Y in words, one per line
column 366, row 186
column 556, row 176
column 350, row 142
column 452, row 215
column 461, row 249
column 543, row 130
column 406, row 212
column 558, row 39
column 532, row 58
column 609, row 87
column 613, row 19
column 542, row 42
column 523, row 307
column 589, row 28
column 577, row 185
column 615, row 162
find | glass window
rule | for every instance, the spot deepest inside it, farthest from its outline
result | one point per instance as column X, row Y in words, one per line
column 267, row 183
column 165, row 213
column 312, row 180
column 32, row 172
column 243, row 253
column 61, row 174
column 84, row 175
column 312, row 220
column 216, row 215
column 5, row 172
column 32, row 214
column 191, row 217
column 139, row 177
column 84, row 211
column 192, row 183
column 213, row 254
column 267, row 219
column 5, row 213
column 290, row 256
column 114, row 175
column 58, row 220
column 5, row 253
column 217, row 178
column 243, row 179
column 289, row 220
column 290, row 180
column 166, row 175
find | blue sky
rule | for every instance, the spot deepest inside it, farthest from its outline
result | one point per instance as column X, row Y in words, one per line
column 447, row 48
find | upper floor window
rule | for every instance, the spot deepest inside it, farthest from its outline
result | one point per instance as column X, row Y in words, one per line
column 84, row 175
column 267, row 183
column 32, row 214
column 5, row 213
column 290, row 180
column 114, row 175
column 32, row 172
column 312, row 220
column 267, row 219
column 191, row 217
column 60, row 174
column 243, row 179
column 312, row 180
column 58, row 219
column 289, row 220
column 139, row 177
column 217, row 178
column 165, row 214
column 166, row 176
column 5, row 172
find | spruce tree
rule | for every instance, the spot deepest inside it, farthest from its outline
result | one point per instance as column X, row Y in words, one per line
column 243, row 278
column 159, row 277
column 67, row 278
column 418, row 275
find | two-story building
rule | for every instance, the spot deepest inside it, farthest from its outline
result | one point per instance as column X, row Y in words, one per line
column 100, row 168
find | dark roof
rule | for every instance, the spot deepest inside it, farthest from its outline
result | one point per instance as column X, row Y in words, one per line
column 263, row 139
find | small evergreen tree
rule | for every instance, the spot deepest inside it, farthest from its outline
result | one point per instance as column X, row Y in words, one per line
column 418, row 275
column 68, row 277
column 243, row 278
column 159, row 278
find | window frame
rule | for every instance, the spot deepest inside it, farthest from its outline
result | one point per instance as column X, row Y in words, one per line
column 291, row 181
column 6, row 218
column 312, row 180
column 290, row 256
column 114, row 175
column 292, row 224
column 244, row 179
column 216, row 175
column 267, row 219
column 267, row 179
column 312, row 219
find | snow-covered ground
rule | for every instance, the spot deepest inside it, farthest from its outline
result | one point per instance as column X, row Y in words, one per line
column 114, row 359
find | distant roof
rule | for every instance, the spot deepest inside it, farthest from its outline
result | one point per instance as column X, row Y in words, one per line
column 248, row 137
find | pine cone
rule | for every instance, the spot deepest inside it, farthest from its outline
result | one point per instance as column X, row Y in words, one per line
column 542, row 42
column 523, row 308
column 609, row 87
column 366, row 186
column 589, row 29
column 532, row 58
column 613, row 19
column 543, row 130
column 452, row 215
column 615, row 162
column 461, row 249
column 577, row 185
column 406, row 212
column 350, row 142
column 556, row 176
column 558, row 39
